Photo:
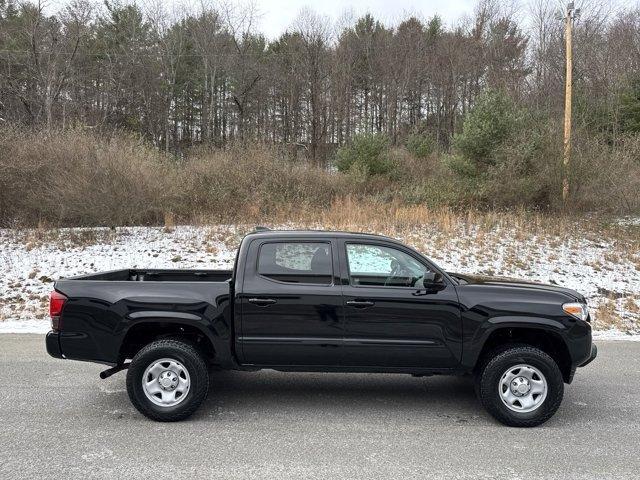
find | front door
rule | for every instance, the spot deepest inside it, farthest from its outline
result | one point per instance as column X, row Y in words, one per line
column 395, row 314
column 291, row 304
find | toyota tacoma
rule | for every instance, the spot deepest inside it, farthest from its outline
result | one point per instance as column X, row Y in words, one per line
column 313, row 301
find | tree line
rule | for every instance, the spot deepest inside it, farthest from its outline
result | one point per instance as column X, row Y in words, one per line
column 184, row 78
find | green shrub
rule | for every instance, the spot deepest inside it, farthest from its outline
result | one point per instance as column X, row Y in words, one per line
column 366, row 153
column 420, row 145
column 493, row 119
column 506, row 157
column 630, row 107
column 528, row 170
column 461, row 166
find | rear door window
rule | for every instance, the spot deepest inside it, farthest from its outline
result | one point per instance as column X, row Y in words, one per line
column 296, row 262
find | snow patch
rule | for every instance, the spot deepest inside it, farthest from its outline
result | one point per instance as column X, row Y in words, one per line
column 25, row 326
column 605, row 271
column 615, row 334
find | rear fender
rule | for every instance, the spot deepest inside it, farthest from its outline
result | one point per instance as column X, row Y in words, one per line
column 156, row 324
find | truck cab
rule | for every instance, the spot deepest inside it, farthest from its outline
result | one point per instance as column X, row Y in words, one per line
column 317, row 299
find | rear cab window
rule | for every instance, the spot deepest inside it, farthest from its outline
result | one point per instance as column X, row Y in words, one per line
column 296, row 262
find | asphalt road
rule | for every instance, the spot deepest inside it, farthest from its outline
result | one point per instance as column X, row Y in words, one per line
column 59, row 420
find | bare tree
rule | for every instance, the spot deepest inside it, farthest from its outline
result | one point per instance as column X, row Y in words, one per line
column 240, row 21
column 181, row 77
column 52, row 44
column 314, row 32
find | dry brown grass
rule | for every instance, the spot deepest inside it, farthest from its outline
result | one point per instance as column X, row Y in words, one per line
column 77, row 178
column 607, row 317
column 357, row 213
column 61, row 238
column 249, row 183
column 632, row 304
column 169, row 222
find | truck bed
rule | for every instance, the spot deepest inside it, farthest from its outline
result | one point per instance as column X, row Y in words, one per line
column 158, row 275
column 102, row 308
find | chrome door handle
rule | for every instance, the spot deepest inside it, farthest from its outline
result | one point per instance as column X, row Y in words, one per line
column 360, row 303
column 262, row 302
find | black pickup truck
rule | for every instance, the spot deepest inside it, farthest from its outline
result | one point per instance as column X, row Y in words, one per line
column 324, row 301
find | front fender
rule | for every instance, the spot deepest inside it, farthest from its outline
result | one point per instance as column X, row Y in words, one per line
column 477, row 341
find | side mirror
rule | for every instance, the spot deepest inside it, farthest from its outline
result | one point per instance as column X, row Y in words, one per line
column 430, row 282
column 431, row 278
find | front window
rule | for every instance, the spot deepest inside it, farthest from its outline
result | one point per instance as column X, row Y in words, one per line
column 296, row 262
column 375, row 265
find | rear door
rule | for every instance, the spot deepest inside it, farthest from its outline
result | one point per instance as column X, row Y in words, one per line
column 291, row 303
column 393, row 316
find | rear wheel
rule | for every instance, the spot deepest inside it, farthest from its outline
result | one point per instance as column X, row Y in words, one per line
column 521, row 386
column 167, row 380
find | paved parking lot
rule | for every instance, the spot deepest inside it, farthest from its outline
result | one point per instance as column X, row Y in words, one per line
column 59, row 420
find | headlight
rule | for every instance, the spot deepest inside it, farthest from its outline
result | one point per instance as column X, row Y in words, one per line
column 578, row 310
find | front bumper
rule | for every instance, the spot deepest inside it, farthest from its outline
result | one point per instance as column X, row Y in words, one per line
column 594, row 354
column 53, row 344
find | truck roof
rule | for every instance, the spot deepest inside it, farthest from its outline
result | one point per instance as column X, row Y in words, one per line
column 264, row 232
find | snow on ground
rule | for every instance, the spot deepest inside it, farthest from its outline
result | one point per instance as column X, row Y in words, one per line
column 605, row 271
column 30, row 263
column 25, row 326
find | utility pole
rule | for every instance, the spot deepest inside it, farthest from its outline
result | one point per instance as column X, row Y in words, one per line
column 571, row 14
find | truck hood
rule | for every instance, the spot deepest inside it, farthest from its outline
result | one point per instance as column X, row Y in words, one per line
column 510, row 283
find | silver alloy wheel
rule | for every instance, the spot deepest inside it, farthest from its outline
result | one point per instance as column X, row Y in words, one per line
column 166, row 382
column 522, row 388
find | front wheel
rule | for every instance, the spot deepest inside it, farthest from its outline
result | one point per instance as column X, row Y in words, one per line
column 167, row 380
column 520, row 386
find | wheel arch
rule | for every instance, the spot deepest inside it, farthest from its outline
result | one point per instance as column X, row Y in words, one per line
column 547, row 340
column 144, row 332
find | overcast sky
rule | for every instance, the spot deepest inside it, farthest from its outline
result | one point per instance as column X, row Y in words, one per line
column 277, row 15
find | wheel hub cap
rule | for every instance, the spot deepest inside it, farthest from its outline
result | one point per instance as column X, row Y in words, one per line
column 166, row 382
column 522, row 388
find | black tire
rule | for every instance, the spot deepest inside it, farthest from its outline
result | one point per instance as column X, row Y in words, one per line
column 490, row 374
column 195, row 365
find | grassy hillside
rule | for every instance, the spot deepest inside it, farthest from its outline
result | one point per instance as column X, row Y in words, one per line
column 601, row 260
